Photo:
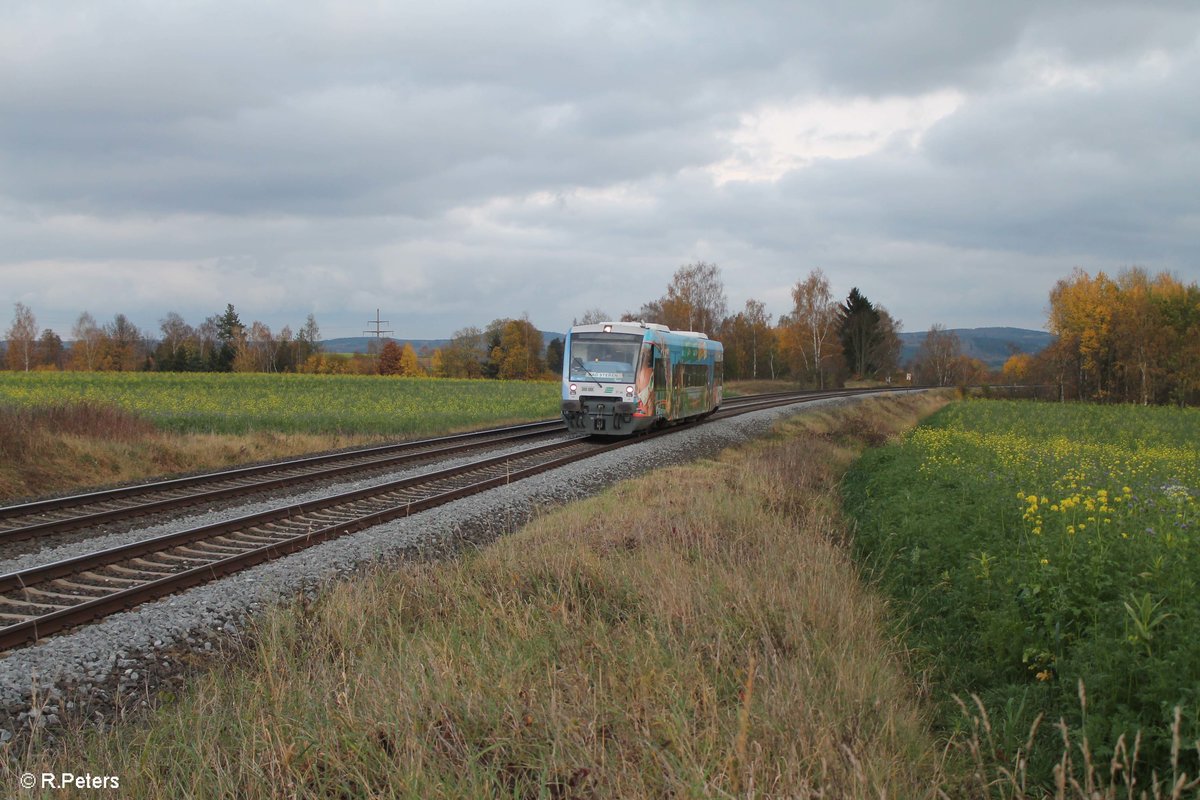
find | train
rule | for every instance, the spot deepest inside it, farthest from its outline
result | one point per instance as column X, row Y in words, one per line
column 620, row 378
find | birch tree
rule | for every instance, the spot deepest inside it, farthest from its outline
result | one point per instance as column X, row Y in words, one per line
column 22, row 339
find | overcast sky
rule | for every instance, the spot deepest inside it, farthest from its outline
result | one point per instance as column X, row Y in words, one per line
column 450, row 163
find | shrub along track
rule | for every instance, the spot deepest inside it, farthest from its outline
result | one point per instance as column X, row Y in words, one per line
column 41, row 601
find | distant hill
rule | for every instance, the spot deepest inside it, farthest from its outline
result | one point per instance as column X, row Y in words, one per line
column 992, row 346
column 359, row 344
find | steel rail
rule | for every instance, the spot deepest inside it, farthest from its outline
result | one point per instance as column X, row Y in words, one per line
column 155, row 497
column 271, row 534
column 27, row 520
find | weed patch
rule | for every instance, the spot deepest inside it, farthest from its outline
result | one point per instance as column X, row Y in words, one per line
column 1034, row 547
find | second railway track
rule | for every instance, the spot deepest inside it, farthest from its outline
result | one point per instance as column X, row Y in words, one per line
column 63, row 514
column 42, row 518
column 37, row 602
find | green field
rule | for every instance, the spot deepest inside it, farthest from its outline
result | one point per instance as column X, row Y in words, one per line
column 1031, row 546
column 292, row 403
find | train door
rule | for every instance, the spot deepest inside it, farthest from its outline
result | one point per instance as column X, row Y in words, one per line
column 662, row 388
column 718, row 380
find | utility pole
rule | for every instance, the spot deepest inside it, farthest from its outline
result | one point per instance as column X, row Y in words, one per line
column 378, row 331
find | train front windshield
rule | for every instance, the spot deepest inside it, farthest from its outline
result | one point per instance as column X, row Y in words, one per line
column 604, row 357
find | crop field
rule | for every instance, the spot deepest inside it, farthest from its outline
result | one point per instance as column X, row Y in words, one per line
column 1032, row 546
column 290, row 403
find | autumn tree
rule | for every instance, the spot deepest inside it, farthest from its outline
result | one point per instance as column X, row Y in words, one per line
column 389, row 358
column 1140, row 336
column 493, row 335
column 1132, row 340
column 50, row 350
column 591, row 317
column 437, row 365
column 649, row 312
column 971, row 371
column 885, row 347
column 748, row 339
column 22, row 339
column 1018, row 368
column 695, row 299
column 554, row 355
column 121, row 346
column 464, row 355
column 208, row 342
column 178, row 349
column 254, row 349
column 808, row 331
column 736, row 339
column 410, row 365
column 85, row 350
column 308, row 339
column 1178, row 308
column 938, row 356
column 286, row 350
column 1081, row 320
column 518, row 355
column 758, row 324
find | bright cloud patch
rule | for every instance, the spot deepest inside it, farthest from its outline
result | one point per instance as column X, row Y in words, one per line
column 778, row 139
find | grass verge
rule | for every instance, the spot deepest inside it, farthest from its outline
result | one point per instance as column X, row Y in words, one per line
column 699, row 631
column 63, row 432
column 62, row 447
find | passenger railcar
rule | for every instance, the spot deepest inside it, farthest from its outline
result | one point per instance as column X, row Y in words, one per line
column 624, row 377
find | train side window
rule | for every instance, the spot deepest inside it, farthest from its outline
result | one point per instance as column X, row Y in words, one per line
column 660, row 371
column 693, row 376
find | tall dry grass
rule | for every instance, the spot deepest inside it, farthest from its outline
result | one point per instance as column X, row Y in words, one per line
column 60, row 447
column 27, row 431
column 1078, row 774
column 700, row 631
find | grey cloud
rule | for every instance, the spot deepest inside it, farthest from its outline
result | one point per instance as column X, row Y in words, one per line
column 334, row 154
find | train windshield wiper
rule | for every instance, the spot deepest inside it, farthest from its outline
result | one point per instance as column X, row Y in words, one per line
column 578, row 361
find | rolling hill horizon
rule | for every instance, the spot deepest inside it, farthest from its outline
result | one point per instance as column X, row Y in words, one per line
column 991, row 345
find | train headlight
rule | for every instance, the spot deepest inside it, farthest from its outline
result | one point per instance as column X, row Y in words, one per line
column 629, row 391
column 574, row 388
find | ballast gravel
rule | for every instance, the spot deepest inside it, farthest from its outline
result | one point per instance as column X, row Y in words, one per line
column 130, row 659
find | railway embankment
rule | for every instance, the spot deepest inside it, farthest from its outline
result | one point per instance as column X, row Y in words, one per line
column 695, row 628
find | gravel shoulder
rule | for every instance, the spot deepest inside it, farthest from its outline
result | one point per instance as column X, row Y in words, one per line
column 130, row 660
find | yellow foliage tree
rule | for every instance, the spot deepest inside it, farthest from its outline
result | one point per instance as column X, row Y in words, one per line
column 409, row 366
column 1133, row 339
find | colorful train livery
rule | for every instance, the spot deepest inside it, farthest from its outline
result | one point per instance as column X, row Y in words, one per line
column 623, row 377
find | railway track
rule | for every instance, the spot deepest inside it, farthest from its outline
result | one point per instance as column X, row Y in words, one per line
column 41, row 601
column 63, row 514
column 43, row 518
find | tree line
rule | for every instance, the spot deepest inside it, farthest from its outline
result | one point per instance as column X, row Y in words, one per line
column 821, row 341
column 1133, row 339
column 221, row 343
column 506, row 349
